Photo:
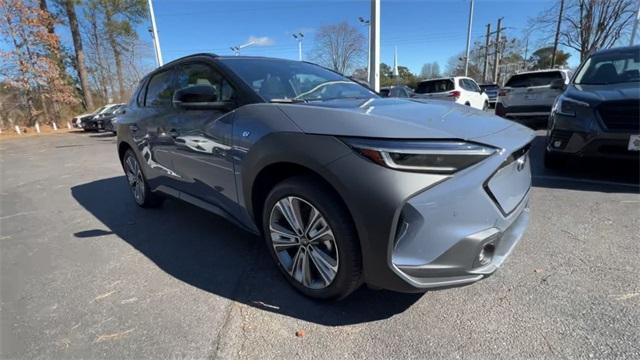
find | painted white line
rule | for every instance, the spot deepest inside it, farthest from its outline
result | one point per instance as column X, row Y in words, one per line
column 586, row 181
column 18, row 214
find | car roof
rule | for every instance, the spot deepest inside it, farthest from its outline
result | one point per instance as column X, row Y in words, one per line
column 540, row 71
column 617, row 50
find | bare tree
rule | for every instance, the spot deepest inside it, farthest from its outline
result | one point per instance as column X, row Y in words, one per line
column 120, row 18
column 340, row 47
column 69, row 7
column 588, row 25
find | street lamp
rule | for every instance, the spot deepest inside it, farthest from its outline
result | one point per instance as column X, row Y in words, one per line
column 154, row 34
column 236, row 49
column 299, row 37
column 367, row 23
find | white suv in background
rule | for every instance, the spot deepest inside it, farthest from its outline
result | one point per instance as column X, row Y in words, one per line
column 527, row 97
column 462, row 90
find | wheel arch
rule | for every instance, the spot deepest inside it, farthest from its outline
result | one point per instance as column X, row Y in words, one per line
column 123, row 146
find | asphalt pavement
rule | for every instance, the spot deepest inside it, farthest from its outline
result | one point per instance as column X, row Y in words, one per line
column 85, row 273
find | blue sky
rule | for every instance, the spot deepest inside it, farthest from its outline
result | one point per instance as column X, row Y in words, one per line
column 423, row 31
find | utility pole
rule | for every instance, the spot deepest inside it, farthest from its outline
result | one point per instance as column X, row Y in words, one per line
column 154, row 34
column 466, row 57
column 496, row 60
column 367, row 23
column 374, row 47
column 635, row 27
column 486, row 53
column 555, row 41
column 299, row 37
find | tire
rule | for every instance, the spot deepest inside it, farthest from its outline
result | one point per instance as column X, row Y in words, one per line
column 554, row 161
column 334, row 264
column 485, row 106
column 138, row 183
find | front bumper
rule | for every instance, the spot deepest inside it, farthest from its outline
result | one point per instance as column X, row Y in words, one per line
column 422, row 231
column 584, row 136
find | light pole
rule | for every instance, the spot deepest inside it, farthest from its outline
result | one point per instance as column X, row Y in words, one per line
column 299, row 37
column 367, row 23
column 374, row 46
column 635, row 27
column 236, row 49
column 154, row 34
column 466, row 58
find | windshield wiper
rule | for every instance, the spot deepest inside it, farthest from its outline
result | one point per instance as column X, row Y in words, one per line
column 287, row 101
column 342, row 98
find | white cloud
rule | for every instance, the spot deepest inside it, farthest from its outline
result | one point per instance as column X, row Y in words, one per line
column 261, row 40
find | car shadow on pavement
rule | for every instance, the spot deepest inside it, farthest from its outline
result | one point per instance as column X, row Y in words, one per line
column 584, row 174
column 211, row 254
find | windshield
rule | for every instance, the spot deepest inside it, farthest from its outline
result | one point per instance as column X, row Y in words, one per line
column 434, row 86
column 610, row 69
column 533, row 79
column 281, row 79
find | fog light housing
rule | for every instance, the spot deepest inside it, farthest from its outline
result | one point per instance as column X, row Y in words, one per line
column 557, row 143
column 486, row 254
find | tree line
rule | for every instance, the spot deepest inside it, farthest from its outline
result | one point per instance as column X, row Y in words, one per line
column 42, row 79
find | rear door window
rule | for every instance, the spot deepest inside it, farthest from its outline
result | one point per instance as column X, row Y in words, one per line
column 533, row 79
column 435, row 86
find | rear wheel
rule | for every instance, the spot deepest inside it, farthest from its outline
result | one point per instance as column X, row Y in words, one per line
column 311, row 237
column 138, row 183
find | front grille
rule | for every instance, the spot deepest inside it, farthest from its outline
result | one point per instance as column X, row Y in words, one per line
column 621, row 115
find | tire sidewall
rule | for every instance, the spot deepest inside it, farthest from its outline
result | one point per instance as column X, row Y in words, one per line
column 145, row 193
column 321, row 199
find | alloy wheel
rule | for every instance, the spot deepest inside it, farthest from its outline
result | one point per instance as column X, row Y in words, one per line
column 303, row 242
column 135, row 178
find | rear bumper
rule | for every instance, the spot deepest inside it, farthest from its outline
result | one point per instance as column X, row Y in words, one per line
column 536, row 116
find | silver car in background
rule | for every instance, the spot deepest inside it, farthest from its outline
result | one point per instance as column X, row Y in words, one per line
column 527, row 97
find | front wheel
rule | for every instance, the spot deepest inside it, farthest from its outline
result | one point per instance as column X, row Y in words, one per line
column 485, row 106
column 312, row 239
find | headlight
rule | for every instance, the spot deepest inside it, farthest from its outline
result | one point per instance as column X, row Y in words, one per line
column 567, row 106
column 432, row 156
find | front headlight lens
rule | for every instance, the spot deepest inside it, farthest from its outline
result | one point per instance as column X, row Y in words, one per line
column 433, row 156
column 568, row 107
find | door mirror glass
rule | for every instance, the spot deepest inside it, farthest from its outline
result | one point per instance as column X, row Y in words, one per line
column 201, row 97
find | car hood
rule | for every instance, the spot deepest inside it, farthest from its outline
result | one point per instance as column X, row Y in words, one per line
column 594, row 94
column 394, row 118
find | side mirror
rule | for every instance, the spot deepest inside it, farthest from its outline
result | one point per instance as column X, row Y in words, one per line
column 199, row 97
column 481, row 91
column 558, row 84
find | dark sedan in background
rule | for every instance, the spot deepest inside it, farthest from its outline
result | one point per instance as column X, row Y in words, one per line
column 598, row 114
column 492, row 92
column 102, row 121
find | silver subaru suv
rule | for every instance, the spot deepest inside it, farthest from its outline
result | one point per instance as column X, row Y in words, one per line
column 527, row 97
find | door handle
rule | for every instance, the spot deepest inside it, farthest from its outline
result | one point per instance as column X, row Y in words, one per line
column 134, row 127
